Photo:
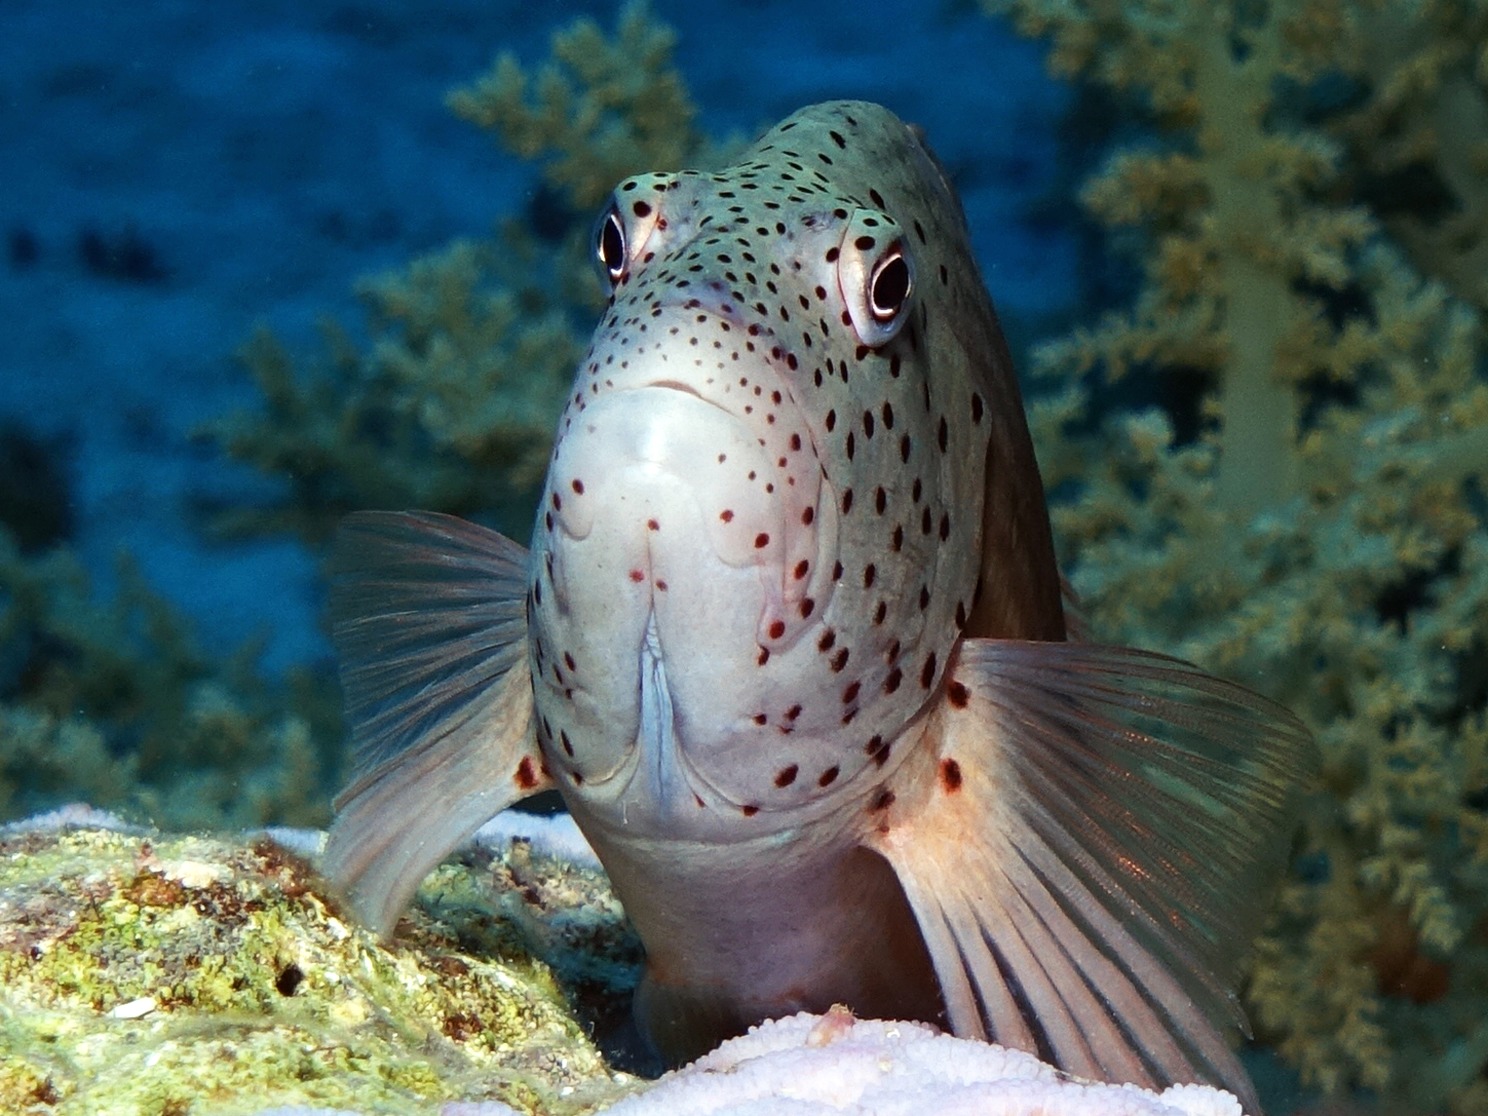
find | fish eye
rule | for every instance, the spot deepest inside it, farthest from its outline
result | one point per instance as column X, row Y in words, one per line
column 876, row 275
column 890, row 286
column 609, row 246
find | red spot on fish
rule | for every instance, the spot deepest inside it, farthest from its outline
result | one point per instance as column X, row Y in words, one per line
column 749, row 811
column 777, row 629
column 761, row 541
column 891, row 683
column 526, row 776
column 850, row 694
column 793, row 712
column 827, row 777
column 760, row 718
column 807, row 516
column 950, row 775
column 764, row 655
column 801, row 569
column 637, row 575
column 653, row 525
column 958, row 694
column 786, row 776
column 807, row 607
column 726, row 515
column 578, row 486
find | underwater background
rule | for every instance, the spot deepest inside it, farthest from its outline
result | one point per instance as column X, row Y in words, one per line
column 267, row 264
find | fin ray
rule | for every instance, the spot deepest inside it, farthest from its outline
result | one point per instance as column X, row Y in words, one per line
column 1097, row 861
column 429, row 621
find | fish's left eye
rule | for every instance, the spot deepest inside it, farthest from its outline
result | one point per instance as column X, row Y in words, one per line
column 889, row 288
column 875, row 273
column 609, row 246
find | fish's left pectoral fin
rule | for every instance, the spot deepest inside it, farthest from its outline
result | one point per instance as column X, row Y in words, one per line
column 429, row 620
column 1089, row 863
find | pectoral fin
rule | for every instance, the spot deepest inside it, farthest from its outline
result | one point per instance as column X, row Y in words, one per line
column 1088, row 854
column 429, row 621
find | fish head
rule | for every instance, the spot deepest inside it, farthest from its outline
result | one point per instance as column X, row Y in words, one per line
column 760, row 532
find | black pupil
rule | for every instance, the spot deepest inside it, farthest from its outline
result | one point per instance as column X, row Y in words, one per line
column 611, row 246
column 890, row 287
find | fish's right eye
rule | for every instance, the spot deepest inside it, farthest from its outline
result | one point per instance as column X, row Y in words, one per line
column 609, row 247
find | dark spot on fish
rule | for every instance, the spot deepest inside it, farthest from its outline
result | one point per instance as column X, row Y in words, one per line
column 802, row 567
column 896, row 540
column 777, row 629
column 880, row 612
column 950, row 775
column 976, row 407
column 870, row 571
column 839, row 660
column 760, row 718
column 945, row 527
column 925, row 521
column 764, row 654
column 831, row 421
column 727, row 515
column 563, row 739
column 827, row 777
column 880, row 500
column 652, row 525
column 867, row 424
column 891, row 683
column 883, row 801
column 924, row 597
column 786, row 776
column 838, row 140
column 793, row 712
column 958, row 695
column 749, row 811
column 808, row 606
column 850, row 445
column 888, row 416
column 942, row 434
column 807, row 516
column 850, row 694
column 641, row 209
column 578, row 486
column 836, row 571
column 960, row 614
column 927, row 673
column 761, row 541
column 568, row 661
column 847, row 501
column 904, row 447
column 864, row 243
column 526, row 776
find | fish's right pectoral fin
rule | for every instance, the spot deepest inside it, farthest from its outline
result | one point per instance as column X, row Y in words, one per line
column 1089, row 862
column 428, row 617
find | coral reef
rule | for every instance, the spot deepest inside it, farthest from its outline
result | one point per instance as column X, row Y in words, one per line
column 151, row 974
column 451, row 403
column 111, row 700
column 1299, row 503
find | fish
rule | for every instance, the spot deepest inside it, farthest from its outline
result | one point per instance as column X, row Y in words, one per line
column 792, row 643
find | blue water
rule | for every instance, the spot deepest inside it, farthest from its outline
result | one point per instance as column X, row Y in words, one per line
column 177, row 174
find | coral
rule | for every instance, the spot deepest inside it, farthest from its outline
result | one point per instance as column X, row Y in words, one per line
column 451, row 404
column 1315, row 524
column 167, row 975
column 814, row 1065
column 113, row 701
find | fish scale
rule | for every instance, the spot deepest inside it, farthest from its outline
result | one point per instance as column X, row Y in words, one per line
column 790, row 642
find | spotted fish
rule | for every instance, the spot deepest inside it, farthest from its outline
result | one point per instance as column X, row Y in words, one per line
column 791, row 643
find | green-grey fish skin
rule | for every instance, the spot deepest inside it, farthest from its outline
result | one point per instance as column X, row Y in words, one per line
column 795, row 655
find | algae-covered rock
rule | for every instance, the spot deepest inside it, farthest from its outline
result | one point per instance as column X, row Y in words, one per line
column 147, row 974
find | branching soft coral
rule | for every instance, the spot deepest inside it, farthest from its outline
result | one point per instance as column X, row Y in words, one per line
column 1321, row 534
column 111, row 701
